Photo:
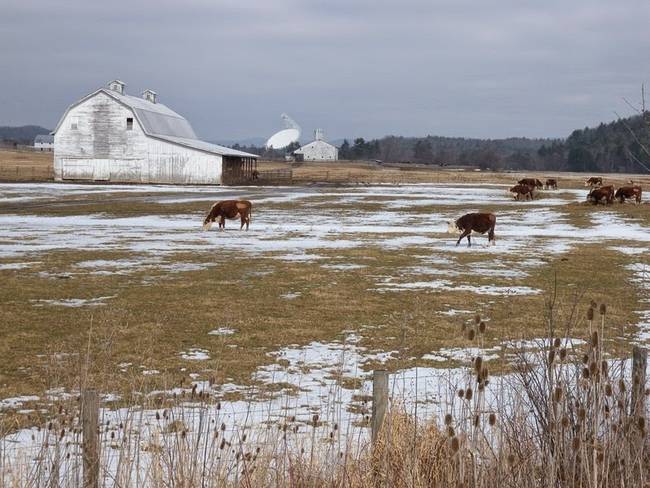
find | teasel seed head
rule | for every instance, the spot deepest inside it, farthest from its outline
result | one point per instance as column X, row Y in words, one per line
column 455, row 444
column 492, row 419
column 565, row 422
column 461, row 393
column 551, row 357
column 557, row 394
column 557, row 343
column 593, row 368
column 603, row 309
column 450, row 431
column 485, row 373
column 448, row 419
column 576, row 443
column 621, row 386
column 590, row 314
column 471, row 333
column 477, row 319
column 582, row 413
column 562, row 354
column 468, row 394
column 608, row 390
column 478, row 363
column 481, row 327
column 594, row 339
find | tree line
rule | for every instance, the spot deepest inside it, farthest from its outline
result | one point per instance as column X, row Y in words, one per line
column 617, row 146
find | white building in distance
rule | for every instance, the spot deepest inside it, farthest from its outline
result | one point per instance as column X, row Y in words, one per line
column 114, row 137
column 44, row 142
column 318, row 150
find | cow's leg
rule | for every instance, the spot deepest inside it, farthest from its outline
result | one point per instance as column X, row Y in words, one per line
column 462, row 236
column 222, row 223
column 491, row 236
column 469, row 240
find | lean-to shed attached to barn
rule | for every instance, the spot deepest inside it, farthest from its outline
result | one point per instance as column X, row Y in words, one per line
column 114, row 137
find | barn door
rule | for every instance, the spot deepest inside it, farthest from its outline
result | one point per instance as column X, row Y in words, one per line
column 102, row 169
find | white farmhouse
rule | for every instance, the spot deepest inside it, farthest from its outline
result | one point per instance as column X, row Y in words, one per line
column 114, row 137
column 318, row 150
column 44, row 142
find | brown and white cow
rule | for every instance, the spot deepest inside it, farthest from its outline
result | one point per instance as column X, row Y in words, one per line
column 473, row 222
column 625, row 192
column 534, row 182
column 594, row 181
column 551, row 183
column 229, row 209
column 603, row 193
column 525, row 191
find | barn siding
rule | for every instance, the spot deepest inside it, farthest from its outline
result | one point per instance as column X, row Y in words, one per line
column 102, row 149
column 319, row 151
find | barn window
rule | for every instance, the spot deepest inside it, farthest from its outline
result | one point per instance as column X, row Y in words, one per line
column 74, row 123
column 129, row 123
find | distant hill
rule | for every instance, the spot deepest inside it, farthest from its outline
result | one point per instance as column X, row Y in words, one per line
column 21, row 135
column 249, row 142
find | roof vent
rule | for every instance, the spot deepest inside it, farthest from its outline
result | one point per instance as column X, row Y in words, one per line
column 319, row 135
column 117, row 86
column 149, row 96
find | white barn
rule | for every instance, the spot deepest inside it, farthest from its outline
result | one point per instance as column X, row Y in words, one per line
column 318, row 150
column 113, row 137
column 44, row 142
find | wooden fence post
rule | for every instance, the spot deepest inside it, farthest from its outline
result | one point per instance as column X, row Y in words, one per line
column 639, row 365
column 90, row 426
column 379, row 400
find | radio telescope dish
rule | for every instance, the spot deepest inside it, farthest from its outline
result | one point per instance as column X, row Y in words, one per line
column 283, row 138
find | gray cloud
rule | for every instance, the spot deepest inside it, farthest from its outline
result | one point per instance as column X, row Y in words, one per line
column 354, row 67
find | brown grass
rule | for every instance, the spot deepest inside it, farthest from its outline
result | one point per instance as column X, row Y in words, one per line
column 26, row 165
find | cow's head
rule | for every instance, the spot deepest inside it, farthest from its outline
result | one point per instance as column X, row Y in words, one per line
column 207, row 223
column 452, row 228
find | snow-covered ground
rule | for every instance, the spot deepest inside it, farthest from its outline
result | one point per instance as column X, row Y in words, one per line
column 320, row 220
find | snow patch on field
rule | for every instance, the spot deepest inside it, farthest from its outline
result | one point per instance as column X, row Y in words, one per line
column 15, row 402
column 222, row 331
column 195, row 354
column 74, row 302
column 443, row 285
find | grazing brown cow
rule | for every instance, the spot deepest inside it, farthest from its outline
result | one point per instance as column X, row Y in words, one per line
column 594, row 181
column 526, row 191
column 551, row 183
column 534, row 182
column 229, row 209
column 605, row 193
column 473, row 222
column 626, row 192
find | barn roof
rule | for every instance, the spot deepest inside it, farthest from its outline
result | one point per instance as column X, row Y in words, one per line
column 208, row 147
column 318, row 142
column 159, row 121
column 44, row 138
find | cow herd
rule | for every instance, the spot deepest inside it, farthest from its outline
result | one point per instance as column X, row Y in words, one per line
column 526, row 187
column 472, row 222
column 606, row 194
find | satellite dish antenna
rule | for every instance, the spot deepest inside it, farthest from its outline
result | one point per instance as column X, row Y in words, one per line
column 281, row 139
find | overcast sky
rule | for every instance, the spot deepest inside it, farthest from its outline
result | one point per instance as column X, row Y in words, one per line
column 484, row 68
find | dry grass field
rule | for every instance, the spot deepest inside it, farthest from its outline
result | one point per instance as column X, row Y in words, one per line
column 117, row 287
column 125, row 274
column 25, row 166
